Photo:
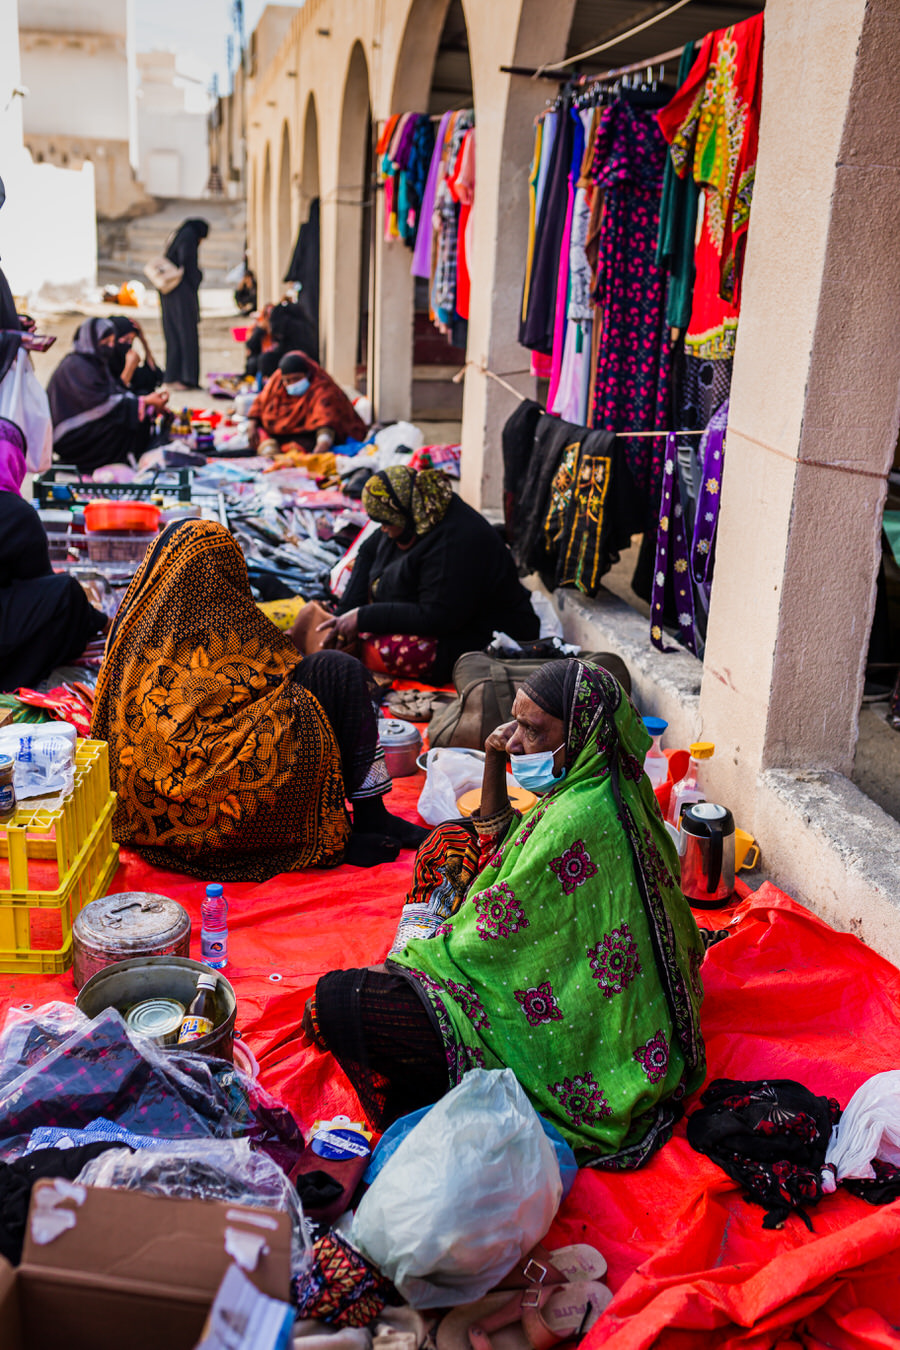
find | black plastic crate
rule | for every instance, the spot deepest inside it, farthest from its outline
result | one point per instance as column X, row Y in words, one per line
column 49, row 490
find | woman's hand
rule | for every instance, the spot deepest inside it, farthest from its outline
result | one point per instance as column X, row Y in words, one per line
column 499, row 739
column 344, row 628
column 132, row 361
column 494, row 791
column 157, row 400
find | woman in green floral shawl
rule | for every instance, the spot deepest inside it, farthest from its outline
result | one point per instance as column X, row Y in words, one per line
column 574, row 958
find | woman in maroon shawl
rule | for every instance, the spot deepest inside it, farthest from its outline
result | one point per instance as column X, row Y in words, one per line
column 301, row 403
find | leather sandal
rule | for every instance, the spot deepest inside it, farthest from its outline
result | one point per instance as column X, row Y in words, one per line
column 535, row 1318
column 564, row 1265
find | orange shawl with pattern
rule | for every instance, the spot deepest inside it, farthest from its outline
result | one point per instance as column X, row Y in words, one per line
column 323, row 405
column 224, row 767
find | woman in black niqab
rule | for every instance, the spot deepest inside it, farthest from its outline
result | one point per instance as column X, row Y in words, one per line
column 181, row 307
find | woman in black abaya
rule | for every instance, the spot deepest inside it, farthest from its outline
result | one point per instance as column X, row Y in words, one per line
column 181, row 308
column 96, row 420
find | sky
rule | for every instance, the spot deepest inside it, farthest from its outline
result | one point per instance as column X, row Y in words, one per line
column 197, row 30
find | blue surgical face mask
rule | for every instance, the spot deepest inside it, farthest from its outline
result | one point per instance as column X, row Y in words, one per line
column 535, row 772
column 297, row 389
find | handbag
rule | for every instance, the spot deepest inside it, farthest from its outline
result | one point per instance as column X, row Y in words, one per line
column 162, row 273
column 486, row 690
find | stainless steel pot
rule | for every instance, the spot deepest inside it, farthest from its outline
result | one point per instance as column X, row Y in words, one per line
column 401, row 742
column 126, row 983
column 134, row 923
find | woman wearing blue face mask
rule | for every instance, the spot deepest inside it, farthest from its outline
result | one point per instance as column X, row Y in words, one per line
column 571, row 955
column 301, row 404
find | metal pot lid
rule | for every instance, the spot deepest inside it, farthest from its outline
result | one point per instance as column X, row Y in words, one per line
column 394, row 732
column 131, row 919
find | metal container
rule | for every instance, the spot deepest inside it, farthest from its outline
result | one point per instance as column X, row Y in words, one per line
column 158, row 1018
column 126, row 983
column 134, row 923
column 706, row 850
column 401, row 742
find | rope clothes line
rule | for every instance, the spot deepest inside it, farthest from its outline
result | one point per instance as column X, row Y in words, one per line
column 612, row 42
column 504, row 384
column 809, row 463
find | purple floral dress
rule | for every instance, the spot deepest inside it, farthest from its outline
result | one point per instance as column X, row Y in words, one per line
column 633, row 361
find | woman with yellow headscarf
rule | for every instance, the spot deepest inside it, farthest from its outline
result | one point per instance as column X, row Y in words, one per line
column 434, row 583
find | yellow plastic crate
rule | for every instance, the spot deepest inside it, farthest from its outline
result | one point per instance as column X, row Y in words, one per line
column 53, row 862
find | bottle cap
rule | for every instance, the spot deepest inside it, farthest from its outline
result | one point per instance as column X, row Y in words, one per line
column 702, row 750
column 213, row 889
column 207, row 981
column 655, row 725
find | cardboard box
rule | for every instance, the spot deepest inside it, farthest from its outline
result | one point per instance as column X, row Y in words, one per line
column 136, row 1272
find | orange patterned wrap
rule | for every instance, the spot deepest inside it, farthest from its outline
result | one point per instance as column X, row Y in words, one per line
column 223, row 766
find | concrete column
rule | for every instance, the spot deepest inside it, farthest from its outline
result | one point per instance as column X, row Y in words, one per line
column 814, row 410
column 505, row 108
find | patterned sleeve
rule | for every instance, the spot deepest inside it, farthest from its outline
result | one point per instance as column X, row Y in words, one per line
column 679, row 119
column 493, row 829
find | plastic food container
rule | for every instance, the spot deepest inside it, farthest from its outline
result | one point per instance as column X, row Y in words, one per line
column 125, row 546
column 108, row 516
column 240, row 334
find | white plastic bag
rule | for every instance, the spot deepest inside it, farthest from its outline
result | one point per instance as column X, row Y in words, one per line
column 23, row 401
column 448, row 774
column 869, row 1128
column 44, row 755
column 467, row 1193
column 551, row 624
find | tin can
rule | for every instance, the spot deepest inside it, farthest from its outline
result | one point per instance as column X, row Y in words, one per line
column 7, row 788
column 119, row 927
column 158, row 1018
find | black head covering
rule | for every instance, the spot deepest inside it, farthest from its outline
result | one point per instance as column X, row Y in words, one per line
column 199, row 226
column 89, row 335
column 295, row 363
column 123, row 325
column 552, row 688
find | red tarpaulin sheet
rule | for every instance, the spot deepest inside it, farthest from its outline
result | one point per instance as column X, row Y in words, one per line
column 689, row 1260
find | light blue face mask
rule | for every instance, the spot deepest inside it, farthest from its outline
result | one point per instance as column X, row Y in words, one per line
column 535, row 773
column 297, row 389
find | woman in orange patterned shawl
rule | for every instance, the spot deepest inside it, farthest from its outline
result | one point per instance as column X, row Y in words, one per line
column 226, row 763
column 301, row 402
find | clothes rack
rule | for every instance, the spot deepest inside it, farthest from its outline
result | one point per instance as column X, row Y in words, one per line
column 560, row 76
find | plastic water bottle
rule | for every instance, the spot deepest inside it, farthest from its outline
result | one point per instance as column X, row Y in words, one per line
column 690, row 789
column 214, row 928
column 656, row 765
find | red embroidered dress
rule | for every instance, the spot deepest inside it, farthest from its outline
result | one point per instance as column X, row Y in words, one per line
column 712, row 126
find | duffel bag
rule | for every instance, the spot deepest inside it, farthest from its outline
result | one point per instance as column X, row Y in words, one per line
column 486, row 689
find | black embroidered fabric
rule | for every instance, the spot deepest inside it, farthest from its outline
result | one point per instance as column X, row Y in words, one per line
column 770, row 1136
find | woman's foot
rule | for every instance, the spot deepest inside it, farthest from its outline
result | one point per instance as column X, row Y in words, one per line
column 370, row 850
column 372, row 816
column 179, row 387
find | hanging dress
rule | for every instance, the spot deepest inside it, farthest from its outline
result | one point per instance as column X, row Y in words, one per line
column 633, row 363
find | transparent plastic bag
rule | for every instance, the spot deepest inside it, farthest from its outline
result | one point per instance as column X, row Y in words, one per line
column 448, row 774
column 31, row 1033
column 869, row 1128
column 44, row 755
column 226, row 1170
column 473, row 1186
column 71, row 1070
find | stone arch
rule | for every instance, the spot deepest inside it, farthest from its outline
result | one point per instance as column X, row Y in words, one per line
column 283, row 241
column 352, row 214
column 309, row 169
column 265, row 229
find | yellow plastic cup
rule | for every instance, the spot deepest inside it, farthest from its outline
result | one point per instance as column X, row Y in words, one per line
column 746, row 850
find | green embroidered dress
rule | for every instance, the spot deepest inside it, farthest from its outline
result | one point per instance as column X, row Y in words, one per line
column 574, row 959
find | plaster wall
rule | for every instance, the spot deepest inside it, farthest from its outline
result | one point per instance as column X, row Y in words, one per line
column 803, row 485
column 48, row 224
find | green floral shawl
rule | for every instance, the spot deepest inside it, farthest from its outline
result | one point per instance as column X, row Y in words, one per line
column 574, row 959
